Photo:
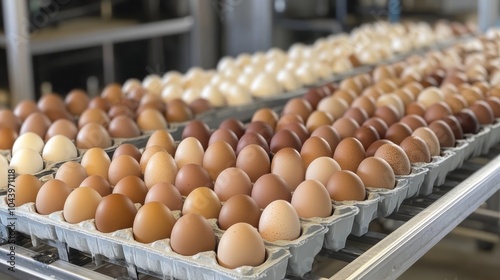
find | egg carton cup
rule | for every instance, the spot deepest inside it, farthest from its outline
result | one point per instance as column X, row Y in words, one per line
column 391, row 199
column 339, row 226
column 460, row 150
column 493, row 138
column 415, row 178
column 478, row 141
column 5, row 153
column 367, row 212
column 438, row 168
column 304, row 249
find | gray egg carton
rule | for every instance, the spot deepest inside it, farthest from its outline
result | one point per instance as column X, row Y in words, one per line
column 391, row 199
column 415, row 178
column 460, row 150
column 478, row 141
column 367, row 212
column 438, row 169
column 493, row 137
column 339, row 226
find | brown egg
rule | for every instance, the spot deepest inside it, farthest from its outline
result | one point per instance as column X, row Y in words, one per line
column 190, row 177
column 121, row 110
column 366, row 135
column 345, row 185
column 62, row 127
column 178, row 111
column 115, row 212
column 26, row 190
column 415, row 88
column 154, row 221
column 288, row 164
column 471, row 94
column 7, row 138
column 165, row 193
column 345, row 126
column 152, row 101
column 334, row 105
column 77, row 101
column 234, row 125
column 383, row 72
column 128, row 149
column 123, row 127
column 396, row 157
column 494, row 103
column 93, row 115
column 347, row 94
column 370, row 152
column 299, row 129
column 398, row 132
column 454, row 124
column 218, row 157
column 366, row 103
column 22, row 110
column 413, row 121
column 121, row 167
column 261, row 128
column 266, row 115
column 191, row 235
column 444, row 133
column 202, row 201
column 270, row 187
column 72, row 173
column 51, row 197
column 51, row 103
column 96, row 162
column 200, row 105
column 232, row 181
column 112, row 93
column 148, row 153
column 328, row 133
column 98, row 183
column 284, row 138
column 351, row 84
column 246, row 161
column 252, row 138
column 415, row 108
column 93, row 135
column 99, row 103
column 298, row 106
column 313, row 96
column 311, row 199
column 357, row 114
column 456, row 102
column 388, row 114
column 349, row 154
column 164, row 139
column 159, row 161
column 288, row 118
column 376, row 173
column 430, row 139
column 133, row 187
column 468, row 121
column 239, row 209
column 38, row 123
column 314, row 148
column 437, row 111
column 317, row 119
column 416, row 149
column 483, row 112
column 379, row 124
column 199, row 130
column 81, row 205
column 151, row 119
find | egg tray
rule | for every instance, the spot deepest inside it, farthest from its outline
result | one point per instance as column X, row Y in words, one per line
column 493, row 138
column 478, row 141
column 415, row 178
column 367, row 212
column 391, row 199
column 339, row 226
column 438, row 168
column 460, row 150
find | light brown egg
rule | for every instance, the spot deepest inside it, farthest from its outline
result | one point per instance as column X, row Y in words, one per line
column 333, row 105
column 234, row 125
column 239, row 209
column 416, row 149
column 121, row 167
column 415, row 108
column 247, row 158
column 192, row 234
column 128, row 149
column 93, row 135
column 51, row 197
column 444, row 133
column 357, row 114
column 133, row 187
column 251, row 252
column 232, row 181
column 72, row 173
column 388, row 114
column 218, row 157
column 202, row 201
column 396, row 157
column 366, row 135
column 321, row 169
column 123, row 127
column 160, row 167
column 99, row 103
column 347, row 94
column 483, row 112
column 311, row 199
column 36, row 122
column 456, row 102
column 317, row 119
column 112, row 93
column 279, row 221
column 437, row 111
column 96, row 162
column 98, row 183
column 379, row 125
column 376, row 173
column 226, row 135
column 366, row 103
column 62, row 127
column 413, row 121
column 430, row 139
column 270, row 187
column 51, row 103
column 288, row 164
column 190, row 177
column 76, row 101
column 153, row 221
column 266, row 115
column 314, row 148
column 7, row 138
column 164, row 139
column 345, row 126
column 151, row 119
column 22, row 110
column 165, row 193
column 298, row 106
column 93, row 115
column 81, row 205
column 288, row 118
column 261, row 128
column 115, row 212
column 328, row 133
column 200, row 105
column 178, row 111
column 349, row 154
column 345, row 185
column 299, row 129
column 398, row 132
column 26, row 190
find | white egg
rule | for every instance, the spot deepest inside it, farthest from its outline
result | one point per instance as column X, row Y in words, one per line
column 225, row 62
column 130, row 84
column 321, row 70
column 59, row 148
column 259, row 60
column 214, row 96
column 265, row 85
column 153, row 84
column 26, row 161
column 273, row 67
column 305, row 75
column 296, row 51
column 245, row 81
column 172, row 77
column 237, row 96
column 191, row 94
column 231, row 73
column 243, row 60
column 29, row 140
column 287, row 80
column 225, row 87
column 171, row 92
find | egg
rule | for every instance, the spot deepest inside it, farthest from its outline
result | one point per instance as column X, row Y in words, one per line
column 26, row 190
column 93, row 115
column 468, row 121
column 98, row 183
column 345, row 126
column 430, row 139
column 7, row 138
column 416, row 149
column 396, row 157
column 388, row 114
column 100, row 103
column 62, row 127
column 190, row 177
column 93, row 135
column 115, row 212
column 200, row 105
column 51, row 197
column 202, row 201
column 234, row 125
column 96, row 162
column 376, row 173
column 261, row 128
column 443, row 133
column 151, row 119
column 413, row 121
column 265, row 85
column 232, row 181
column 397, row 132
column 321, row 169
column 178, row 111
column 199, row 130
column 349, row 154
column 366, row 135
column 4, row 168
column 483, row 111
column 161, row 167
column 226, row 135
column 28, row 140
column 298, row 106
column 239, row 209
column 430, row 96
column 76, row 101
column 357, row 114
column 81, row 205
column 454, row 125
column 279, row 221
column 123, row 127
column 22, row 110
column 218, row 157
column 284, row 138
column 112, row 92
column 266, row 115
column 128, row 149
column 251, row 250
column 288, row 164
column 72, row 173
column 437, row 111
column 189, row 151
column 121, row 167
column 333, row 105
column 191, row 235
column 164, row 139
column 345, row 185
column 268, row 188
column 59, row 148
column 314, row 148
column 153, row 221
column 328, row 133
column 133, row 187
column 366, row 103
column 26, row 161
column 311, row 199
column 247, row 158
column 36, row 122
column 165, row 193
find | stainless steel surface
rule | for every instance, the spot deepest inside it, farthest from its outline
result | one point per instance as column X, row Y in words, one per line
column 203, row 34
column 394, row 254
column 15, row 14
column 487, row 13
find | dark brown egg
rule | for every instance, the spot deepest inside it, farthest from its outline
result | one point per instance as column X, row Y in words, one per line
column 454, row 124
column 298, row 106
column 313, row 96
column 77, row 101
column 199, row 130
column 178, row 111
column 495, row 105
column 62, row 127
column 366, row 135
column 234, row 125
column 379, row 124
column 252, row 138
column 437, row 111
column 38, row 123
column 190, row 177
column 123, row 127
column 398, row 132
column 468, row 121
column 200, row 105
column 413, row 121
column 226, row 135
column 261, row 128
column 284, row 138
column 388, row 114
column 299, row 129
column 375, row 145
column 444, row 133
column 268, row 188
column 349, row 154
column 23, row 109
column 483, row 112
column 328, row 133
column 357, row 114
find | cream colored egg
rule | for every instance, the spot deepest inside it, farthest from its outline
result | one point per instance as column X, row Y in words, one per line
column 191, row 94
column 306, row 75
column 213, row 95
column 152, row 83
column 26, row 161
column 29, row 140
column 265, row 85
column 430, row 96
column 59, row 148
column 237, row 95
column 279, row 221
column 130, row 84
column 225, row 62
column 172, row 78
column 288, row 80
column 172, row 91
